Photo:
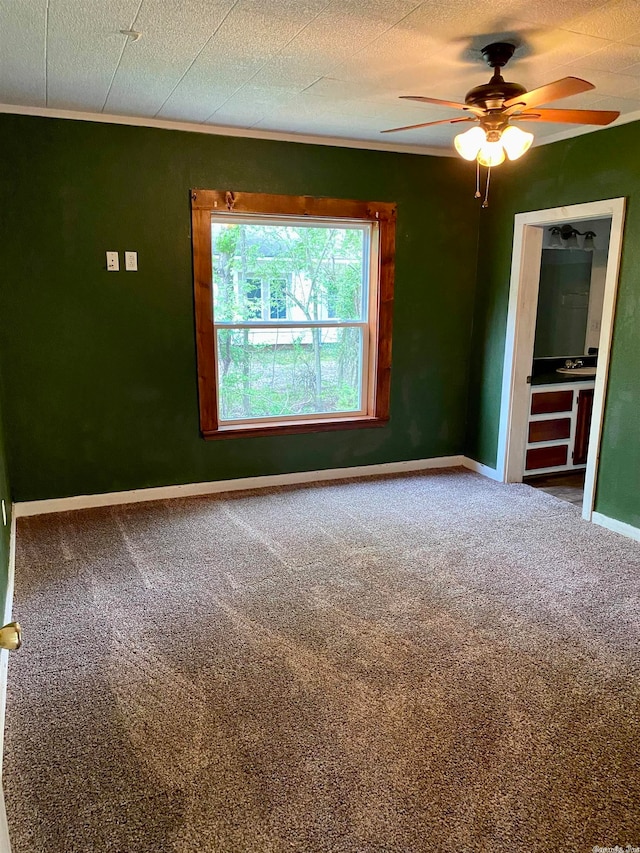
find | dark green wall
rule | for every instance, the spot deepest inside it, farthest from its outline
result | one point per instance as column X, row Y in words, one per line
column 100, row 387
column 99, row 384
column 596, row 166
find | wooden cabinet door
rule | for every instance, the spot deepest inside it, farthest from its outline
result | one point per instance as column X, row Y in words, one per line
column 546, row 457
column 583, row 426
column 546, row 402
column 549, row 430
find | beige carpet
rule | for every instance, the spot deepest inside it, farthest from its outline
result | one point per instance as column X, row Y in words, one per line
column 419, row 663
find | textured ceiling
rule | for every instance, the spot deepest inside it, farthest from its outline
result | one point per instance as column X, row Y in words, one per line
column 309, row 67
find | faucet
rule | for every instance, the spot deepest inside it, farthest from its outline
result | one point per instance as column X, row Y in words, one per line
column 570, row 365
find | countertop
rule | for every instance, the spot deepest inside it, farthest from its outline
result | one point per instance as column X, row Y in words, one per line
column 554, row 378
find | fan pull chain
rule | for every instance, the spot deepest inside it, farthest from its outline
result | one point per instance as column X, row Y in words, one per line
column 485, row 203
column 477, row 195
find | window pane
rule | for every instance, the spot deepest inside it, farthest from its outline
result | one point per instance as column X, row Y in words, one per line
column 278, row 299
column 253, row 298
column 265, row 373
column 312, row 272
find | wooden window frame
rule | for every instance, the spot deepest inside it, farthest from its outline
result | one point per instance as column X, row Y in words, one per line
column 206, row 202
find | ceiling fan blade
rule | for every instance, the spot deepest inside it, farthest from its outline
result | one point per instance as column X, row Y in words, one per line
column 551, row 92
column 427, row 124
column 438, row 102
column 570, row 116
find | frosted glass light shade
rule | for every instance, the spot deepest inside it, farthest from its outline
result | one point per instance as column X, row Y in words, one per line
column 491, row 154
column 516, row 141
column 589, row 243
column 468, row 144
column 556, row 239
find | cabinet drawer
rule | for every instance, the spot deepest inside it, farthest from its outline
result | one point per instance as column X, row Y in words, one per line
column 546, row 457
column 550, row 430
column 551, row 401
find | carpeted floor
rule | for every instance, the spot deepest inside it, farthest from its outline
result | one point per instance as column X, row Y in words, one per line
column 418, row 663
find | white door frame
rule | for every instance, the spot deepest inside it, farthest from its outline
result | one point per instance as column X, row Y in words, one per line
column 521, row 327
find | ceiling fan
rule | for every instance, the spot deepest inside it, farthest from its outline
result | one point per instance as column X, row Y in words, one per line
column 498, row 103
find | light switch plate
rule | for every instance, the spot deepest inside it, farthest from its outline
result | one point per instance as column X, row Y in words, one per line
column 131, row 261
column 113, row 262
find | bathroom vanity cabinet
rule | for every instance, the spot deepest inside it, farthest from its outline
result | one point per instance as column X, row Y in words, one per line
column 558, row 428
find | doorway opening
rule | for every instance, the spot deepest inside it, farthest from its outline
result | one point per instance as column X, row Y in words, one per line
column 559, row 328
column 567, row 487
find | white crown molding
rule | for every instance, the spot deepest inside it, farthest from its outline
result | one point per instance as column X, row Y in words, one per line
column 278, row 136
column 218, row 130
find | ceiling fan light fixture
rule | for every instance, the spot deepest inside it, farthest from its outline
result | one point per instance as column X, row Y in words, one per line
column 494, row 104
column 469, row 143
column 491, row 154
column 516, row 142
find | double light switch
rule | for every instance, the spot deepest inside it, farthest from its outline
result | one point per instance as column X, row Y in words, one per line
column 130, row 261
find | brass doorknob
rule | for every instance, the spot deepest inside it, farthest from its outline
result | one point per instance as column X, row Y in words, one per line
column 11, row 636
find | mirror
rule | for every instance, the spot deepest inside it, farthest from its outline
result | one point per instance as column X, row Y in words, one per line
column 571, row 292
column 563, row 303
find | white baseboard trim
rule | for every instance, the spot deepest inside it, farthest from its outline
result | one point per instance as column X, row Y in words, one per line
column 5, row 844
column 615, row 525
column 28, row 508
column 479, row 468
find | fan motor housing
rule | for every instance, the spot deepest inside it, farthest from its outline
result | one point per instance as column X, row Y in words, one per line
column 492, row 95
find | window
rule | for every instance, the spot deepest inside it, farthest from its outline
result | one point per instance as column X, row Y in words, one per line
column 278, row 299
column 293, row 299
column 252, row 293
column 332, row 303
